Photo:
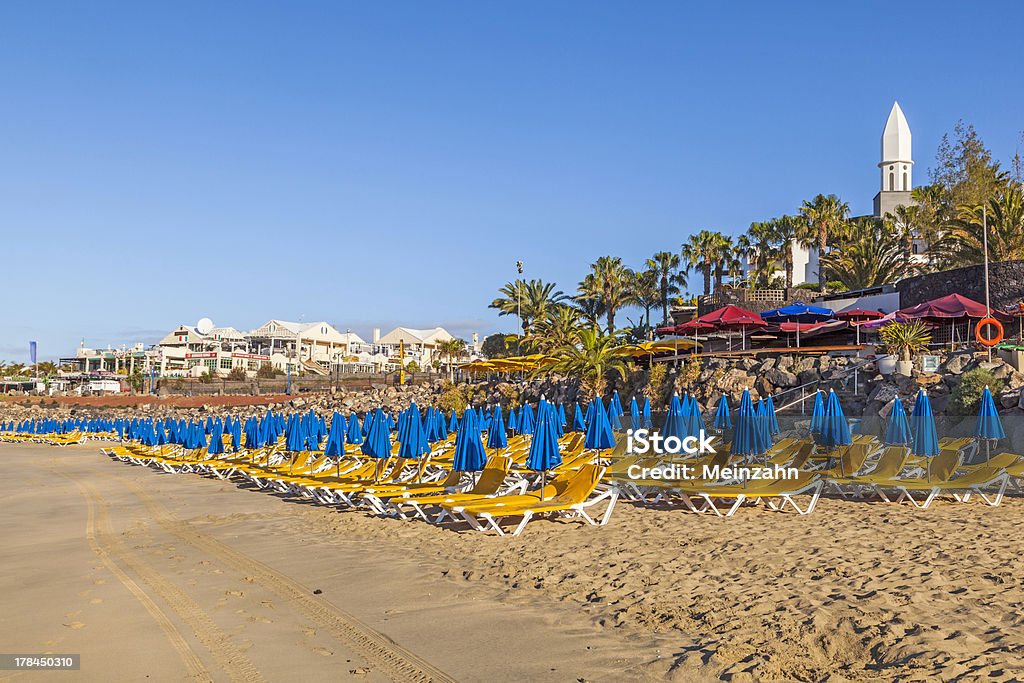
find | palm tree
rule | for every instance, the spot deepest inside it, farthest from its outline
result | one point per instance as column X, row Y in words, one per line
column 721, row 254
column 666, row 265
column 905, row 224
column 609, row 285
column 734, row 266
column 451, row 349
column 871, row 256
column 559, row 327
column 15, row 369
column 785, row 228
column 591, row 309
column 758, row 244
column 822, row 216
column 532, row 297
column 1005, row 219
column 697, row 252
column 592, row 358
column 646, row 293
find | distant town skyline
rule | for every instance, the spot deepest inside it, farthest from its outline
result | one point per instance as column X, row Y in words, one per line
column 376, row 166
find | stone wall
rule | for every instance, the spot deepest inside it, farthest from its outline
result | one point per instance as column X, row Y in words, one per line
column 1006, row 285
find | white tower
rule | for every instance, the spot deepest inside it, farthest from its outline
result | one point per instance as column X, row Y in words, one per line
column 897, row 164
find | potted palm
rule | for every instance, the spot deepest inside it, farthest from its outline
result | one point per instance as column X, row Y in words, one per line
column 902, row 340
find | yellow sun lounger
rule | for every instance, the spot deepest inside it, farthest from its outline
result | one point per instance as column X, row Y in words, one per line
column 574, row 497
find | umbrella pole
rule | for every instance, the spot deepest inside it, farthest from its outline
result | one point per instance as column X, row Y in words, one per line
column 543, row 483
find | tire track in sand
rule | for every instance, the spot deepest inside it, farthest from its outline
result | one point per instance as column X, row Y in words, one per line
column 235, row 664
column 401, row 665
column 105, row 552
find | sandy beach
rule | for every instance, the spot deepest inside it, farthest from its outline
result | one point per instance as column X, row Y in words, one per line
column 177, row 577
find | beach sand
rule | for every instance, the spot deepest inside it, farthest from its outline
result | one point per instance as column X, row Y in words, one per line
column 183, row 578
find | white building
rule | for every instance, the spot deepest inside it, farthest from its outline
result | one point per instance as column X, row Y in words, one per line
column 419, row 345
column 897, row 164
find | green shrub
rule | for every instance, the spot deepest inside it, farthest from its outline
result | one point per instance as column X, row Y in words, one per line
column 967, row 394
column 454, row 397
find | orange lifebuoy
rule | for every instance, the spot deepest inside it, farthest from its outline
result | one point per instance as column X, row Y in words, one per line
column 988, row 341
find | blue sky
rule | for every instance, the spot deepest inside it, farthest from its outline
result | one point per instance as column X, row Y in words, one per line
column 387, row 163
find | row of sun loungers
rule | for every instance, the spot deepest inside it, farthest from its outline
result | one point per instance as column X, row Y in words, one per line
column 587, row 485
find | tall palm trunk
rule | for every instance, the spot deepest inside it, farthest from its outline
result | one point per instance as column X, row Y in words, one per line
column 664, row 300
column 788, row 262
column 822, row 244
column 707, row 280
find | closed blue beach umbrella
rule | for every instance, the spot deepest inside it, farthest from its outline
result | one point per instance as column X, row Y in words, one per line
column 898, row 431
column 496, row 437
column 544, row 454
column 634, row 414
column 578, row 423
column 773, row 419
column 722, row 419
column 988, row 426
column 645, row 414
column 818, row 414
column 469, row 450
column 599, row 432
column 922, row 423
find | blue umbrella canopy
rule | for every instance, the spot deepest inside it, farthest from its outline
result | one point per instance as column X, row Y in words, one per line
column 599, row 432
column 414, row 440
column 835, row 429
column 469, row 450
column 335, row 446
column 773, row 419
column 922, row 423
column 578, row 423
column 496, row 437
column 354, row 435
column 695, row 419
column 616, row 406
column 368, row 422
column 818, row 414
column 988, row 425
column 634, row 414
column 898, row 431
column 513, row 420
column 762, row 427
column 645, row 414
column 722, row 419
column 378, row 440
column 453, row 423
column 798, row 312
column 675, row 421
column 440, row 428
column 236, row 435
column 561, row 415
column 613, row 419
column 544, row 453
column 526, row 423
column 743, row 439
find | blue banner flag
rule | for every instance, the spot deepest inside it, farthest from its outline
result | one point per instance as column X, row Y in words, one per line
column 32, row 352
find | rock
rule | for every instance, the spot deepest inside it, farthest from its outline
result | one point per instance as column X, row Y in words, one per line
column 1010, row 398
column 886, row 409
column 768, row 364
column 957, row 363
column 808, row 375
column 780, row 378
column 1015, row 380
column 928, row 379
column 884, row 393
column 747, row 364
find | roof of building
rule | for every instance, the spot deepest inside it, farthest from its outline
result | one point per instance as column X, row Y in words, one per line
column 410, row 334
column 896, row 138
